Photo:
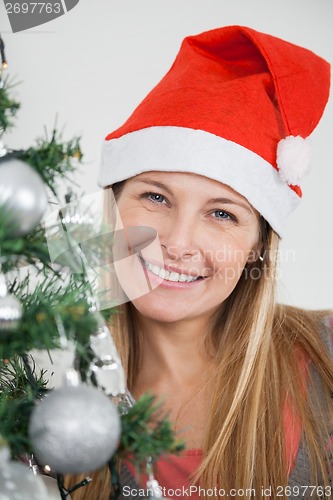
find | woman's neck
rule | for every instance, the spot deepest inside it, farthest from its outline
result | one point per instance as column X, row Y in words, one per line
column 176, row 369
column 173, row 352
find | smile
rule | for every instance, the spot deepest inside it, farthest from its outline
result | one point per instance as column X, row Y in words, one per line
column 171, row 275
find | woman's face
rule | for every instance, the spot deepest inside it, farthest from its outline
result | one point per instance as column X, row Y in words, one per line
column 207, row 232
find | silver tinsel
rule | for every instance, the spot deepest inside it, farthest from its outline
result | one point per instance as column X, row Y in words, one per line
column 106, row 366
column 10, row 308
column 22, row 194
column 75, row 429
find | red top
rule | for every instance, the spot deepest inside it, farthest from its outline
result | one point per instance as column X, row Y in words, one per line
column 174, row 472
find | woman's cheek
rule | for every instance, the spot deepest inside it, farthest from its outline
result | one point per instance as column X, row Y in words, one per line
column 229, row 261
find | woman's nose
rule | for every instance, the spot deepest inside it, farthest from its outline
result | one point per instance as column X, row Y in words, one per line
column 180, row 239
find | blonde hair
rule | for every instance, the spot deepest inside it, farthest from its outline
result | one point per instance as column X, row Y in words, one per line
column 244, row 444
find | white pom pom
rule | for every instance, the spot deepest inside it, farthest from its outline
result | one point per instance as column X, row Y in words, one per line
column 293, row 159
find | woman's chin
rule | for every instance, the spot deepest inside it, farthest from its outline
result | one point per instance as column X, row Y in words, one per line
column 158, row 309
column 169, row 311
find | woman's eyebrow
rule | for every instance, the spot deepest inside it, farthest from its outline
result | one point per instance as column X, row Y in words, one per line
column 229, row 201
column 155, row 183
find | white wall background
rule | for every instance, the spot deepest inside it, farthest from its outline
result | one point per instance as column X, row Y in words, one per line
column 92, row 66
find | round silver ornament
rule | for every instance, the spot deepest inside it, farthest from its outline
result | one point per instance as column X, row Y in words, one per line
column 17, row 482
column 74, row 429
column 10, row 308
column 22, row 194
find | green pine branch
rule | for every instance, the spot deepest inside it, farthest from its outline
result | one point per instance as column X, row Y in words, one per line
column 17, row 400
column 52, row 298
column 8, row 106
column 146, row 432
column 52, row 158
column 18, row 251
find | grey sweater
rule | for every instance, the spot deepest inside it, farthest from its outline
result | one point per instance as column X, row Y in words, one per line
column 299, row 481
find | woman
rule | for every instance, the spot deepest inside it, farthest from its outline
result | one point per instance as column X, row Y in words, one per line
column 212, row 159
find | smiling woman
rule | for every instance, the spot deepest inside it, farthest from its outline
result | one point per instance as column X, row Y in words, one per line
column 212, row 160
column 207, row 233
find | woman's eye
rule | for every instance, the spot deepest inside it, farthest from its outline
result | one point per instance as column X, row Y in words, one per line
column 154, row 197
column 223, row 215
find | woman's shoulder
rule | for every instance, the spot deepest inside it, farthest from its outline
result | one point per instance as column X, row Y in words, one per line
column 325, row 329
column 298, row 314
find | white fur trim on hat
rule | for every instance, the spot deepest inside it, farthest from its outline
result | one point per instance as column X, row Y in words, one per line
column 293, row 159
column 178, row 149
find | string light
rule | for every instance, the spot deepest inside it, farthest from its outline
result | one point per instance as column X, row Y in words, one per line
column 2, row 52
column 3, row 66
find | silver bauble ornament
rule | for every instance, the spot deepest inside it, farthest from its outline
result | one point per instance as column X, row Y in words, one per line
column 22, row 194
column 17, row 482
column 10, row 308
column 74, row 429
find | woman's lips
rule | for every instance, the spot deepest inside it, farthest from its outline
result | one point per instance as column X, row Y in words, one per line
column 171, row 277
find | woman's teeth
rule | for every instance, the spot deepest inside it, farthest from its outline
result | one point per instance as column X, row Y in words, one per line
column 170, row 275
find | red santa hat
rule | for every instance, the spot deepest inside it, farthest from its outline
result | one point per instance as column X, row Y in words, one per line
column 236, row 106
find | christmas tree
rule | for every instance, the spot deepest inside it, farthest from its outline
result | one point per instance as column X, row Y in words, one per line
column 48, row 303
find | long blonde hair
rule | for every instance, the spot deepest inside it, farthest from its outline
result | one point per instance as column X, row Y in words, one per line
column 244, row 446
